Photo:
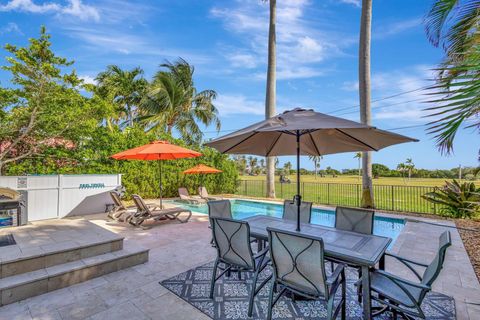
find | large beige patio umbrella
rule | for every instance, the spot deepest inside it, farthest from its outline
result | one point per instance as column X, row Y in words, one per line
column 305, row 132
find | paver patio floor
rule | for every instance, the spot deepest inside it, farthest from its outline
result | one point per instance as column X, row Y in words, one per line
column 174, row 248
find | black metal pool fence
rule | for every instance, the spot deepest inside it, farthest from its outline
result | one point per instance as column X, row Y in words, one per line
column 387, row 197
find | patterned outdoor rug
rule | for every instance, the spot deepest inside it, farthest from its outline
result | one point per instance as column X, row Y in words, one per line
column 231, row 298
column 7, row 240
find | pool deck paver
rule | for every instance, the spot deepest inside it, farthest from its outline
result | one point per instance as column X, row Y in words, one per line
column 134, row 293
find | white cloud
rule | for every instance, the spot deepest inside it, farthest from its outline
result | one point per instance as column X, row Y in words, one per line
column 404, row 91
column 74, row 8
column 29, row 6
column 11, row 27
column 356, row 3
column 396, row 28
column 77, row 9
column 230, row 104
column 104, row 40
column 243, row 60
column 350, row 86
column 88, row 79
column 301, row 46
column 408, row 106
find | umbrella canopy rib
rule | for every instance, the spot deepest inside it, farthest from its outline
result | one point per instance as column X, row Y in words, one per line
column 359, row 141
column 273, row 145
column 314, row 144
column 240, row 142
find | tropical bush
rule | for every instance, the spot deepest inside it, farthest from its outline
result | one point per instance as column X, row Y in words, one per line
column 92, row 155
column 456, row 200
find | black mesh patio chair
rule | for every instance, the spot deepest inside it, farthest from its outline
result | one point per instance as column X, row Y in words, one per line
column 355, row 220
column 290, row 211
column 404, row 297
column 299, row 267
column 232, row 240
column 219, row 208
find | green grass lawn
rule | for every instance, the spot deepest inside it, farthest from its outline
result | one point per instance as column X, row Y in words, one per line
column 422, row 182
column 393, row 194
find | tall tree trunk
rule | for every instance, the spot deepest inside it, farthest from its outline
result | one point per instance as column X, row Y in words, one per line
column 271, row 93
column 364, row 88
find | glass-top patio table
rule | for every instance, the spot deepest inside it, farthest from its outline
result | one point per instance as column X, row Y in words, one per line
column 351, row 247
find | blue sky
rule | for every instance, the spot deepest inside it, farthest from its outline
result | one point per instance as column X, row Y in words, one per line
column 226, row 41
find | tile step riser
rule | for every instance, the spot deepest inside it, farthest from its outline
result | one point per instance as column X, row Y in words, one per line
column 68, row 278
column 13, row 268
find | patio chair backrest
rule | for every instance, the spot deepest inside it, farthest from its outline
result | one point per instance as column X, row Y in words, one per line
column 433, row 270
column 202, row 192
column 141, row 206
column 290, row 211
column 298, row 261
column 232, row 240
column 116, row 199
column 183, row 192
column 354, row 219
column 219, row 209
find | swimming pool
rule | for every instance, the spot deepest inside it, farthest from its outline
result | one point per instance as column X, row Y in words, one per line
column 383, row 226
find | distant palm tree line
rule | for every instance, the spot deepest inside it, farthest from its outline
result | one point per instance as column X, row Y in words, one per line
column 170, row 101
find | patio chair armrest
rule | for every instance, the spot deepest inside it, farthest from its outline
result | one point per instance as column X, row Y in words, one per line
column 336, row 274
column 405, row 259
column 400, row 281
column 408, row 263
column 262, row 253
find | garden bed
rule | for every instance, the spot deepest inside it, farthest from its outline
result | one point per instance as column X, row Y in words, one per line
column 470, row 232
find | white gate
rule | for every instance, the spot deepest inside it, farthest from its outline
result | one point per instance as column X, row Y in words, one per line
column 57, row 196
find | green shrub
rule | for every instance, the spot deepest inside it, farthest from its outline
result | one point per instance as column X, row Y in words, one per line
column 456, row 200
column 92, row 156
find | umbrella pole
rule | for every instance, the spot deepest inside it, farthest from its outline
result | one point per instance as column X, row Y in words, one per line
column 161, row 185
column 298, row 196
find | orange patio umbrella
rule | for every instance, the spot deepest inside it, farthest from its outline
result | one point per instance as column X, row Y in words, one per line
column 157, row 150
column 201, row 169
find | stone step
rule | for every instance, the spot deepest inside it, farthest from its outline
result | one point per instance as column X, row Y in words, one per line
column 29, row 284
column 41, row 257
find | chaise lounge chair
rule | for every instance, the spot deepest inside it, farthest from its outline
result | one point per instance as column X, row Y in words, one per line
column 144, row 213
column 203, row 193
column 185, row 196
column 120, row 211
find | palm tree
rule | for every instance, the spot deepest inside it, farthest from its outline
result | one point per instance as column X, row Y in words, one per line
column 287, row 167
column 271, row 92
column 173, row 102
column 358, row 156
column 252, row 164
column 364, row 89
column 454, row 25
column 262, row 165
column 124, row 88
column 316, row 163
column 410, row 167
column 402, row 168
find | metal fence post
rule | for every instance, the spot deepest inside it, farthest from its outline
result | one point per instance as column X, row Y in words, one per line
column 281, row 190
column 328, row 193
column 245, row 187
column 263, row 189
column 393, row 198
column 358, row 195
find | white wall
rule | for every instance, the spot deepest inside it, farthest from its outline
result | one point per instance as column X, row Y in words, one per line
column 58, row 196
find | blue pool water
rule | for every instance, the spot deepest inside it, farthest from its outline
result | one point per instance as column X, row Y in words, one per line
column 383, row 226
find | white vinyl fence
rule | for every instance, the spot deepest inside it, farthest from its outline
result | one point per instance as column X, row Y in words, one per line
column 58, row 196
